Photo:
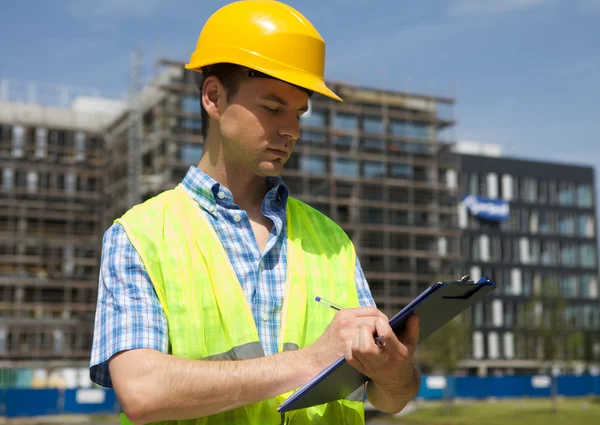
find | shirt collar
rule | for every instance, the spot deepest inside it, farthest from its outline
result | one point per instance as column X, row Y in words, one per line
column 205, row 190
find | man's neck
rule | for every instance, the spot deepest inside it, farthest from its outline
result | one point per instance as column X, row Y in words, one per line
column 248, row 189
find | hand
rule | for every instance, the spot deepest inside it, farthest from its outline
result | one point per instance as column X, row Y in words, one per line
column 343, row 329
column 391, row 367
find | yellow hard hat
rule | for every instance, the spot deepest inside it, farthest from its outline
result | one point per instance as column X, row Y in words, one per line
column 266, row 36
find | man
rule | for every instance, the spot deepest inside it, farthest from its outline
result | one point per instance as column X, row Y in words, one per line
column 227, row 265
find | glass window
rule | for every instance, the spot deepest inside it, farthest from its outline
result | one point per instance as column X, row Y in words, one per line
column 400, row 128
column 18, row 147
column 373, row 145
column 374, row 169
column 566, row 194
column 587, row 255
column 8, row 178
column 584, row 196
column 344, row 142
column 315, row 119
column 584, row 285
column 80, row 146
column 190, row 153
column 373, row 125
column 313, row 164
column 41, row 142
column 401, row 171
column 544, row 223
column 313, row 138
column 70, row 182
column 345, row 122
column 568, row 286
column 473, row 184
column 400, row 218
column 529, row 190
column 421, row 130
column 566, row 224
column 543, row 192
column 190, row 104
column 567, row 255
column 345, row 168
column 552, row 192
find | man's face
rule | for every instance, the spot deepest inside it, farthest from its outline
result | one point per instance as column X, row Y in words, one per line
column 261, row 125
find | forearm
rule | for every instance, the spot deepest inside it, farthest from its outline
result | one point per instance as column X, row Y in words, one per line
column 153, row 386
column 395, row 398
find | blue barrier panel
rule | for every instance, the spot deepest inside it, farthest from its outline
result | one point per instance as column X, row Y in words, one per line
column 575, row 386
column 26, row 402
column 429, row 393
column 90, row 401
column 472, row 387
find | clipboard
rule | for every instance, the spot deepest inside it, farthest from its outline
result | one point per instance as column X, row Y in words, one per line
column 435, row 306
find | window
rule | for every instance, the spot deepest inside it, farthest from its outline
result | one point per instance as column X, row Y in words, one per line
column 473, row 184
column 18, row 147
column 529, row 190
column 566, row 224
column 584, row 196
column 477, row 345
column 70, row 182
column 374, row 169
column 41, row 142
column 190, row 104
column 345, row 122
column 316, row 118
column 399, row 128
column 345, row 168
column 585, row 226
column 8, row 178
column 32, row 181
column 421, row 130
column 587, row 255
column 373, row 145
column 566, row 194
column 79, row 146
column 313, row 164
column 400, row 218
column 373, row 125
column 544, row 223
column 493, row 348
column 190, row 153
column 568, row 286
column 401, row 171
column 567, row 255
column 509, row 346
column 543, row 192
column 507, row 192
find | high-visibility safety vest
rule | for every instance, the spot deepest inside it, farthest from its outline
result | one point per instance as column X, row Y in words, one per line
column 208, row 314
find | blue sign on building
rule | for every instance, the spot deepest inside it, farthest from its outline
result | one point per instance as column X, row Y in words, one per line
column 486, row 208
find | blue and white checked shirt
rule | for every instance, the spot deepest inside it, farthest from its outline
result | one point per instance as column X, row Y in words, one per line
column 129, row 314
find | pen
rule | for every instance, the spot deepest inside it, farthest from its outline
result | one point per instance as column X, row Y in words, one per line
column 378, row 340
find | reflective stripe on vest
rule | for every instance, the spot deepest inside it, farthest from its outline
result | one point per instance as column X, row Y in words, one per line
column 208, row 315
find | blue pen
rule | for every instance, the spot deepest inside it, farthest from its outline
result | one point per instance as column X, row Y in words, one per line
column 378, row 340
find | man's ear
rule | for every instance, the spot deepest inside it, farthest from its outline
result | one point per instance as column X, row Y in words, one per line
column 213, row 94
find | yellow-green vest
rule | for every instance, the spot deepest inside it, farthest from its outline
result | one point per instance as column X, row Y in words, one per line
column 208, row 314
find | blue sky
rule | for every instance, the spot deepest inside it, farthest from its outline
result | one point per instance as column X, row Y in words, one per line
column 525, row 73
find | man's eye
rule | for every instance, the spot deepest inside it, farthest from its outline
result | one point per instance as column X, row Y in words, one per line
column 271, row 110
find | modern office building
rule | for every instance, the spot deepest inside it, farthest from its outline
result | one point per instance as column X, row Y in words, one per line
column 531, row 227
column 51, row 221
column 374, row 163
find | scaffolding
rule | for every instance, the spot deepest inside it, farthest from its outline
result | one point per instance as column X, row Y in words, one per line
column 51, row 221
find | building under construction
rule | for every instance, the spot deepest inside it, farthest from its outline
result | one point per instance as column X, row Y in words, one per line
column 374, row 164
column 52, row 177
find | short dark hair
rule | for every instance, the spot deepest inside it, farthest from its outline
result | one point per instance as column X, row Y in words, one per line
column 230, row 75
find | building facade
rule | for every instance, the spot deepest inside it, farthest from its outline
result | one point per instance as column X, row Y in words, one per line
column 51, row 222
column 531, row 227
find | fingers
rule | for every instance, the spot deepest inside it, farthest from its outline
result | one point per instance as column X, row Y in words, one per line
column 367, row 311
column 410, row 338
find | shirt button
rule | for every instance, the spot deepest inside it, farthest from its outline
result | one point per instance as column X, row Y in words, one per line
column 237, row 218
column 265, row 317
column 262, row 263
column 211, row 208
column 221, row 195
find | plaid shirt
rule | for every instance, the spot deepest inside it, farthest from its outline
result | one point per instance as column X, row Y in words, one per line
column 129, row 314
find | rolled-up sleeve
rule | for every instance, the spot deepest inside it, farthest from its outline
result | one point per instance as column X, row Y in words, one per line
column 128, row 312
